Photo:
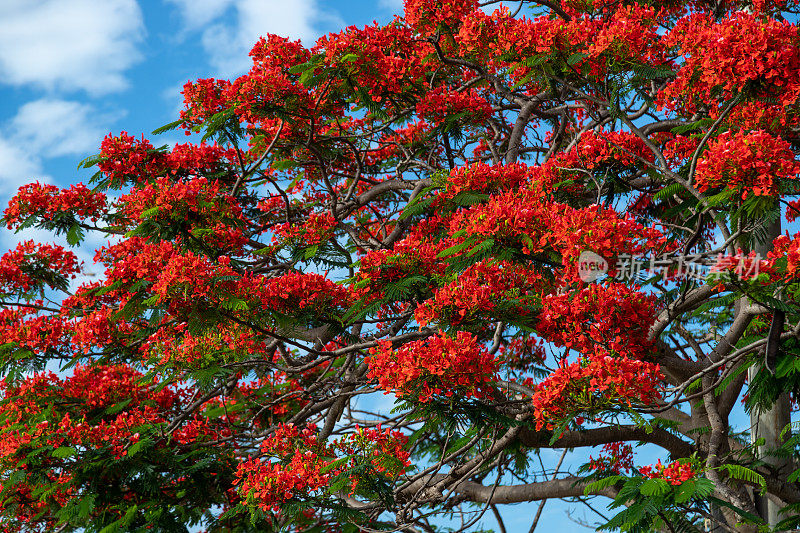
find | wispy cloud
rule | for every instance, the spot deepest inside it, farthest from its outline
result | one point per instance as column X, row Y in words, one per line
column 69, row 44
column 53, row 127
column 44, row 129
column 198, row 13
column 395, row 6
column 231, row 27
column 17, row 167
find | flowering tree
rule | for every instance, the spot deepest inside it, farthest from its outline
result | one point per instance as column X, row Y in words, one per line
column 557, row 227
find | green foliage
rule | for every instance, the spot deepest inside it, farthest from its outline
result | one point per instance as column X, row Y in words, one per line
column 651, row 504
column 765, row 387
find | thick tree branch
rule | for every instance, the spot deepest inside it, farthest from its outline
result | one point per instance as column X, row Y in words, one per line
column 595, row 437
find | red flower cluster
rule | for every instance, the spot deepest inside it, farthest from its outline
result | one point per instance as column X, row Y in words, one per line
column 101, row 387
column 173, row 345
column 170, row 271
column 425, row 16
column 29, row 331
column 315, row 229
column 382, row 449
column 752, row 162
column 788, row 248
column 297, row 292
column 268, row 82
column 617, row 457
column 630, row 33
column 731, row 54
column 202, row 100
column 439, row 104
column 79, row 419
column 176, row 200
column 677, row 148
column 614, row 317
column 607, row 39
column 439, row 365
column 595, row 383
column 187, row 276
column 305, row 465
column 51, row 427
column 416, row 254
column 387, row 60
column 526, row 218
column 213, row 216
column 674, row 473
column 522, row 37
column 29, row 509
column 267, row 484
column 125, row 159
column 31, row 266
column 485, row 178
column 481, row 291
column 46, row 202
column 742, row 266
column 597, row 149
column 195, row 159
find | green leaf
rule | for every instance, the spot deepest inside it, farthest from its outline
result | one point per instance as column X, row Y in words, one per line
column 720, row 198
column 670, row 190
column 86, row 506
column 167, row 127
column 745, row 474
column 692, row 126
column 150, row 213
column 74, row 235
column 307, row 78
column 64, row 452
column 650, row 72
column 685, row 491
column 333, row 465
column 481, row 247
column 138, row 446
column 313, row 62
column 704, row 488
column 415, row 208
column 456, row 248
column 234, row 304
column 284, row 164
column 576, row 58
column 89, row 162
column 601, row 484
column 654, row 487
column 152, row 301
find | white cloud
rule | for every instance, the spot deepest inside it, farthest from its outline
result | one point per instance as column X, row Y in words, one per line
column 53, row 128
column 44, row 129
column 395, row 6
column 17, row 167
column 198, row 13
column 69, row 44
column 227, row 40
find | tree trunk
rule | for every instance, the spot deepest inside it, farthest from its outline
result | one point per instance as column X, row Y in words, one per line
column 768, row 424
